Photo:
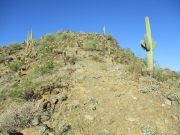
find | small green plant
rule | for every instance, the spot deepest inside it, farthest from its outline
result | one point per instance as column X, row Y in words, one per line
column 90, row 45
column 15, row 46
column 97, row 58
column 15, row 65
column 44, row 67
column 63, row 127
column 44, row 130
column 147, row 130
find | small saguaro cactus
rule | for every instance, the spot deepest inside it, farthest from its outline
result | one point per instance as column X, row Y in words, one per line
column 29, row 42
column 104, row 29
column 148, row 45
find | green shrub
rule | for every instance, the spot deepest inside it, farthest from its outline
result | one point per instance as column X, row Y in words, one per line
column 49, row 38
column 63, row 127
column 138, row 67
column 164, row 75
column 44, row 67
column 97, row 58
column 15, row 46
column 63, row 35
column 148, row 130
column 90, row 45
column 15, row 65
column 16, row 93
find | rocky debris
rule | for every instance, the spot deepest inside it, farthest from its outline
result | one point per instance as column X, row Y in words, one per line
column 148, row 84
column 45, row 116
column 131, row 119
column 148, row 130
column 174, row 97
column 168, row 102
column 118, row 94
column 35, row 121
column 92, row 107
column 62, row 97
column 44, row 130
column 175, row 117
column 106, row 132
column 63, row 127
column 91, row 103
column 89, row 117
column 72, row 106
column 14, row 132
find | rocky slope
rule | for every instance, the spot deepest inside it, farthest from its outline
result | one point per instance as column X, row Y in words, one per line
column 84, row 84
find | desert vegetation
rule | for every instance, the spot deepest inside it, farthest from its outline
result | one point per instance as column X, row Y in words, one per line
column 63, row 81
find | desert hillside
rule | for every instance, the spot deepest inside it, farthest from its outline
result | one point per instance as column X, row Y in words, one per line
column 84, row 84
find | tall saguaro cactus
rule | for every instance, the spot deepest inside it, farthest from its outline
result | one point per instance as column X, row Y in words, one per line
column 148, row 45
column 30, row 42
column 104, row 29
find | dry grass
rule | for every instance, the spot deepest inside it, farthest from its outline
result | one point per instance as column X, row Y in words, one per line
column 17, row 115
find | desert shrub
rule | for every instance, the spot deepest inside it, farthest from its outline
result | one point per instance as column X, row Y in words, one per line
column 174, row 97
column 15, row 65
column 16, row 93
column 15, row 46
column 148, row 130
column 44, row 67
column 5, row 58
column 63, row 127
column 90, row 45
column 138, row 67
column 49, row 38
column 2, row 95
column 17, row 115
column 101, row 48
column 63, row 35
column 148, row 84
column 124, row 56
column 97, row 58
column 164, row 74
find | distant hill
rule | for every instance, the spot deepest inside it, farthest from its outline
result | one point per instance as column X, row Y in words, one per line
column 83, row 84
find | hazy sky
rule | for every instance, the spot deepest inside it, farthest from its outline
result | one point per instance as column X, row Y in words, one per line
column 124, row 19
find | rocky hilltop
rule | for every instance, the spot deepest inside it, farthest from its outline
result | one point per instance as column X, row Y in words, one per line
column 84, row 84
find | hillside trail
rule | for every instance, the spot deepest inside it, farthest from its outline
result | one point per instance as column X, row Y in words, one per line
column 109, row 102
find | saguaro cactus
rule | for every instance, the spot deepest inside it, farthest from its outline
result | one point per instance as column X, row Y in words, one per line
column 148, row 45
column 104, row 29
column 29, row 42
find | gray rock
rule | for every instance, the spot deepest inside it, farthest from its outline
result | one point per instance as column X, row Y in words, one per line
column 35, row 121
column 106, row 132
column 45, row 106
column 89, row 117
column 168, row 102
column 54, row 100
column 45, row 117
column 72, row 106
column 174, row 97
column 62, row 97
column 44, row 130
column 92, row 107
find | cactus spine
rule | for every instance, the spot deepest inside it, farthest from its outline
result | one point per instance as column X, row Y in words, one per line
column 148, row 45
